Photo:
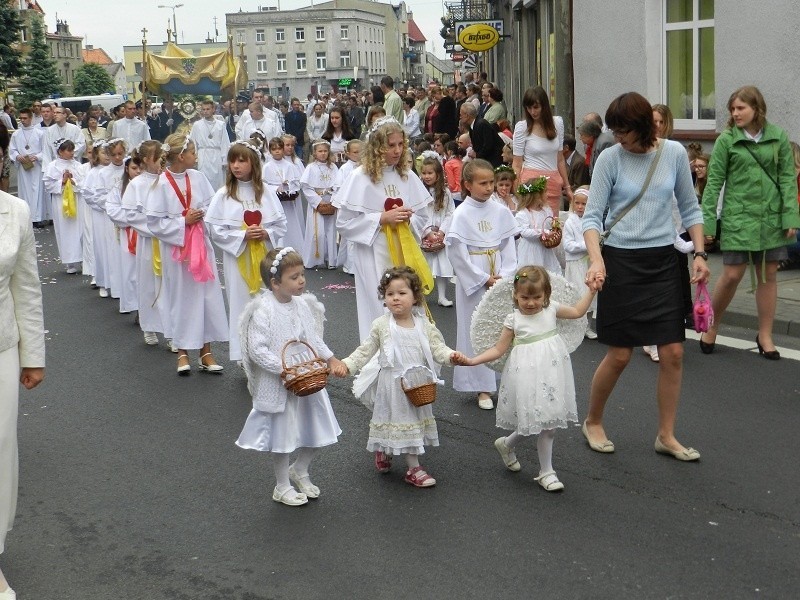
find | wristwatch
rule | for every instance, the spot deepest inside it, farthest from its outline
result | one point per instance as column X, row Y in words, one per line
column 703, row 255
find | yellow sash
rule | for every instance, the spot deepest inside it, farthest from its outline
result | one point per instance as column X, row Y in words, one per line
column 156, row 258
column 404, row 250
column 68, row 204
column 248, row 262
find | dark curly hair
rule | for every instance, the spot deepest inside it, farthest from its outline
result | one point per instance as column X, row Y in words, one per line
column 407, row 274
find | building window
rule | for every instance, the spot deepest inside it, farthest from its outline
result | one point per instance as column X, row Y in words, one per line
column 322, row 61
column 280, row 35
column 281, row 63
column 344, row 32
column 261, row 63
column 260, row 36
column 300, row 61
column 689, row 60
column 299, row 34
column 23, row 34
column 320, row 34
column 344, row 58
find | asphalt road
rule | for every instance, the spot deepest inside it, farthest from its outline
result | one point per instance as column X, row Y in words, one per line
column 131, row 486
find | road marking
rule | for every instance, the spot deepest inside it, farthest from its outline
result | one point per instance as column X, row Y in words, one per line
column 746, row 345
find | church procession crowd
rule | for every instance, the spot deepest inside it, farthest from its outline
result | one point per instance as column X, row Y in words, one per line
column 411, row 190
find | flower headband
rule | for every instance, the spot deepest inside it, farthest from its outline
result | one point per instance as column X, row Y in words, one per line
column 316, row 143
column 59, row 141
column 114, row 141
column 536, row 185
column 99, row 144
column 383, row 121
column 503, row 169
column 165, row 148
column 430, row 154
column 280, row 256
column 247, row 145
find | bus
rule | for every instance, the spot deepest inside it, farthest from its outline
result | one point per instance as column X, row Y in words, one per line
column 82, row 103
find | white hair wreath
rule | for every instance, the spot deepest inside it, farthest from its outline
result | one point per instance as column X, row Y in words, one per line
column 277, row 262
column 430, row 154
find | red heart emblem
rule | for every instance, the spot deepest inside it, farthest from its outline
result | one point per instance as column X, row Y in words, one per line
column 252, row 217
column 392, row 203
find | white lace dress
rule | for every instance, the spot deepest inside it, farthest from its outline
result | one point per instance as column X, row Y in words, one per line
column 537, row 389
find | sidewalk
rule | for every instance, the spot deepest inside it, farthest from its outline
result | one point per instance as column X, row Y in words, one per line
column 742, row 309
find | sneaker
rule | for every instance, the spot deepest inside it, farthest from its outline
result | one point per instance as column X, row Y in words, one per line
column 651, row 351
column 103, row 292
column 150, row 338
column 590, row 334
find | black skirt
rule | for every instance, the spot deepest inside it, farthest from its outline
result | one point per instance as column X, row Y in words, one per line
column 641, row 303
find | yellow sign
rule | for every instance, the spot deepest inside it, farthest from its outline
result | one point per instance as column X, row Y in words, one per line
column 478, row 37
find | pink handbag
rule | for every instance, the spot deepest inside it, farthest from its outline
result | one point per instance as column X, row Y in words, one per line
column 702, row 310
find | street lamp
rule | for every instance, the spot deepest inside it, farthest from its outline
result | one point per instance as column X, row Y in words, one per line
column 174, row 23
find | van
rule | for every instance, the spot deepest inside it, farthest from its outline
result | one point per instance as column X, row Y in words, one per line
column 82, row 103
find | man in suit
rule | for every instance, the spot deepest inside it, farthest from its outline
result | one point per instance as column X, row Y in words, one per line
column 577, row 172
column 296, row 121
column 486, row 142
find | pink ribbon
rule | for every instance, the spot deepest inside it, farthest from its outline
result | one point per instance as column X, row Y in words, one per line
column 194, row 253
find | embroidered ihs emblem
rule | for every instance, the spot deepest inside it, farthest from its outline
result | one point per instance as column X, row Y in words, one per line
column 392, row 191
column 484, row 226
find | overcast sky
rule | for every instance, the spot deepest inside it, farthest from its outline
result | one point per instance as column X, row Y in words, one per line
column 112, row 24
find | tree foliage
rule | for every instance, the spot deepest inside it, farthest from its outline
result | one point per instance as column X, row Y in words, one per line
column 10, row 56
column 40, row 75
column 92, row 79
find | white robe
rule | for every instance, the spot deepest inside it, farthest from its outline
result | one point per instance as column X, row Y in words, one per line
column 361, row 203
column 87, row 241
column 95, row 200
column 224, row 219
column 282, row 176
column 212, row 143
column 133, row 131
column 110, row 177
column 196, row 309
column 345, row 257
column 319, row 245
column 68, row 229
column 128, row 291
column 68, row 132
column 438, row 262
column 148, row 284
column 28, row 141
column 269, row 127
column 481, row 234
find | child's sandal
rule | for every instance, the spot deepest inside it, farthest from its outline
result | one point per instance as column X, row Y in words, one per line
column 383, row 462
column 419, row 478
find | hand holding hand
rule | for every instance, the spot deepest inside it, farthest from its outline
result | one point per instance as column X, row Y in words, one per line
column 338, row 368
column 596, row 276
column 457, row 358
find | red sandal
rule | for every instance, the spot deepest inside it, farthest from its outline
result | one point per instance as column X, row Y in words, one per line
column 419, row 478
column 383, row 462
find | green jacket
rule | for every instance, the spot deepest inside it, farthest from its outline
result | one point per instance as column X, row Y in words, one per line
column 755, row 212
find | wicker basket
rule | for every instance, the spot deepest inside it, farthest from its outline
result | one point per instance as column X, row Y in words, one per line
column 304, row 377
column 420, row 395
column 435, row 247
column 326, row 209
column 552, row 238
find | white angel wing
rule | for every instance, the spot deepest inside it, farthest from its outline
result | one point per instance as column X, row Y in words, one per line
column 497, row 302
column 318, row 312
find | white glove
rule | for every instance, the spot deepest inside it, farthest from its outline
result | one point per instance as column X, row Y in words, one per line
column 170, row 122
column 235, row 118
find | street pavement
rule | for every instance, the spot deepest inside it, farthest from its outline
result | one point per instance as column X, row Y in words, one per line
column 131, row 486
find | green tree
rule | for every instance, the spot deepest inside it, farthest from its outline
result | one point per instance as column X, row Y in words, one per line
column 92, row 79
column 40, row 76
column 10, row 25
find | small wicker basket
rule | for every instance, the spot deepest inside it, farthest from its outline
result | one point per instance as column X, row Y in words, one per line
column 421, row 394
column 326, row 209
column 552, row 238
column 306, row 376
column 434, row 247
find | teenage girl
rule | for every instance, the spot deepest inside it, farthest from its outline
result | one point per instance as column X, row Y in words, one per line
column 434, row 232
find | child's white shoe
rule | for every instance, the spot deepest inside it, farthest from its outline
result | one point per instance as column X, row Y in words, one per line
column 303, row 484
column 289, row 497
column 485, row 402
column 150, row 338
column 549, row 481
column 507, row 454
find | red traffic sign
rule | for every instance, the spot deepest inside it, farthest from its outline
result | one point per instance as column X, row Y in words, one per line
column 458, row 56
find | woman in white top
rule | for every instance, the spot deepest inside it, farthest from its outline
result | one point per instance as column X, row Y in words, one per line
column 317, row 123
column 410, row 118
column 537, row 145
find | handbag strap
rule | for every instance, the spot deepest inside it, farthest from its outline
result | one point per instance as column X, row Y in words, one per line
column 763, row 168
column 630, row 206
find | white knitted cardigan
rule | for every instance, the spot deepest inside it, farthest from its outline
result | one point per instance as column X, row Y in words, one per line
column 263, row 331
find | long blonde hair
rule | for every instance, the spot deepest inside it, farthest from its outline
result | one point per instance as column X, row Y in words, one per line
column 374, row 159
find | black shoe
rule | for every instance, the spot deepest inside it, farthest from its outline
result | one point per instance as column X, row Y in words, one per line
column 771, row 355
column 706, row 348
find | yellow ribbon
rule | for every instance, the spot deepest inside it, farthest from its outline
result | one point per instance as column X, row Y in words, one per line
column 156, row 258
column 404, row 250
column 68, row 204
column 248, row 262
column 490, row 255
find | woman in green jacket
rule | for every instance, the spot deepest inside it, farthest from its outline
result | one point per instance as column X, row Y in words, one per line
column 759, row 211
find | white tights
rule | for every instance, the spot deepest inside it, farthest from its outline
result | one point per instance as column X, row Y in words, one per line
column 544, row 447
column 441, row 287
column 280, row 463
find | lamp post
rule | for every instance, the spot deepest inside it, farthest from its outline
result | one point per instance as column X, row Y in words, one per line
column 174, row 23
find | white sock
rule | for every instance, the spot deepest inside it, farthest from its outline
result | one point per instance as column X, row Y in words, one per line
column 544, row 445
column 280, row 463
column 412, row 460
column 512, row 439
column 303, row 461
column 441, row 287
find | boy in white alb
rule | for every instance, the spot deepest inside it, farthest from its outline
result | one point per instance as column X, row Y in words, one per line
column 212, row 143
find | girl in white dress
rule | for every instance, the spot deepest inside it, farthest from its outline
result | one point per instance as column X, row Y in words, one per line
column 480, row 246
column 382, row 198
column 175, row 210
column 152, row 314
column 280, row 175
column 432, row 176
column 575, row 254
column 537, row 389
column 280, row 421
column 245, row 220
column 504, row 179
column 110, row 177
column 99, row 159
column 534, row 217
column 404, row 342
column 318, row 184
column 289, row 143
column 63, row 180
